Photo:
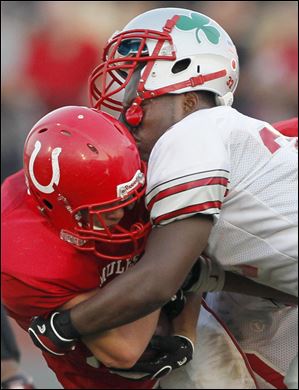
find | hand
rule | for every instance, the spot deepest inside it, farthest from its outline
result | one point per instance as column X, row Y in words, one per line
column 46, row 337
column 173, row 352
column 175, row 306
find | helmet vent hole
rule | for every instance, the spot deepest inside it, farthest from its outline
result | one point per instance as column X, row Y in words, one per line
column 93, row 148
column 181, row 65
column 119, row 127
column 42, row 130
column 65, row 132
column 198, row 68
column 48, row 204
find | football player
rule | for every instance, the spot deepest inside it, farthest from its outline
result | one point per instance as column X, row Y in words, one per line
column 79, row 223
column 219, row 182
column 251, row 323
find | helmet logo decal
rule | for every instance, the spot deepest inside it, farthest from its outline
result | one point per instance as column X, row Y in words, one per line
column 234, row 64
column 199, row 22
column 124, row 189
column 55, row 169
column 230, row 82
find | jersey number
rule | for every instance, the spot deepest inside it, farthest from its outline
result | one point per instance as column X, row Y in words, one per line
column 268, row 137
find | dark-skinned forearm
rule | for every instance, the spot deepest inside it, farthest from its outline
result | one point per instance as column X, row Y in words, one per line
column 150, row 283
column 117, row 304
column 242, row 285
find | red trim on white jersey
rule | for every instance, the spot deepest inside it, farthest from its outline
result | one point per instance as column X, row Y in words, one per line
column 183, row 196
column 184, row 179
column 266, row 371
column 242, row 353
column 189, row 210
column 220, row 180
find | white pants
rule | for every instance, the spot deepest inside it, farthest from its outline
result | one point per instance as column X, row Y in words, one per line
column 218, row 362
column 266, row 332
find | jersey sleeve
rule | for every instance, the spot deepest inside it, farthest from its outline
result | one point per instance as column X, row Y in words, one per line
column 187, row 174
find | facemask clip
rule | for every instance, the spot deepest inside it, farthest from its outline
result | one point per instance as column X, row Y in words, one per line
column 134, row 114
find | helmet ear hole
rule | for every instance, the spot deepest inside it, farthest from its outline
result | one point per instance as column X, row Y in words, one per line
column 48, row 204
column 93, row 148
column 42, row 130
column 65, row 132
column 181, row 65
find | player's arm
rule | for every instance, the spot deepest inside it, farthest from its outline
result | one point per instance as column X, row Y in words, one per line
column 171, row 251
column 242, row 285
column 120, row 347
column 208, row 275
column 170, row 254
column 174, row 347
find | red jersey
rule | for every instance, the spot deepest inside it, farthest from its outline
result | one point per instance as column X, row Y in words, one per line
column 40, row 273
column 288, row 127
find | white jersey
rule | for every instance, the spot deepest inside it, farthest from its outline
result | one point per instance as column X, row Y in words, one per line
column 291, row 378
column 243, row 172
column 266, row 332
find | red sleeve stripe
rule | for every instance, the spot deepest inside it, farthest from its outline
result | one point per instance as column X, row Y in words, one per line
column 196, row 174
column 197, row 208
column 187, row 186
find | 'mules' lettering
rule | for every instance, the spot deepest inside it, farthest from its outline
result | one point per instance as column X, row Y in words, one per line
column 115, row 268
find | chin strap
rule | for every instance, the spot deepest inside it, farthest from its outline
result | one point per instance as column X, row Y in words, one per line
column 134, row 113
column 192, row 82
column 225, row 100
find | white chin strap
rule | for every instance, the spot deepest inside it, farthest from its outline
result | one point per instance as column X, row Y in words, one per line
column 225, row 100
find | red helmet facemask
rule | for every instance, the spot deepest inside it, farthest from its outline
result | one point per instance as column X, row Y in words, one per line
column 81, row 163
column 123, row 240
column 120, row 62
column 122, row 55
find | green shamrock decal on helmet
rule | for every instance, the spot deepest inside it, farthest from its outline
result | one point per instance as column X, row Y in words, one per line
column 200, row 22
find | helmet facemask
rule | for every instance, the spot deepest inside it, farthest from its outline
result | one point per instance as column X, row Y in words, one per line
column 118, row 241
column 122, row 54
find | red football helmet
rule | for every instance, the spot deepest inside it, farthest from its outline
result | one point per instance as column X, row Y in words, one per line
column 79, row 164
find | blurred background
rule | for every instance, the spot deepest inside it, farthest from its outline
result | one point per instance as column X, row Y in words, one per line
column 48, row 50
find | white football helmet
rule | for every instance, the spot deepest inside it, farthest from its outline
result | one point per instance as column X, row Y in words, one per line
column 183, row 51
